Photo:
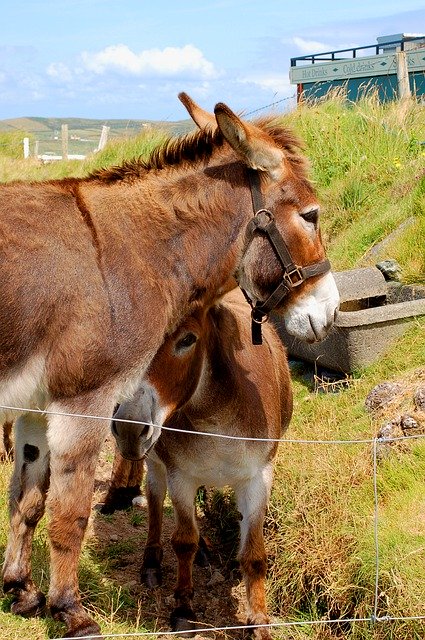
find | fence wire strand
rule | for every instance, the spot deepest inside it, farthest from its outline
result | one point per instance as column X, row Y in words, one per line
column 372, row 619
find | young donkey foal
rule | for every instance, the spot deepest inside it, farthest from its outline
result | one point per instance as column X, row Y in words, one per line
column 94, row 272
column 209, row 377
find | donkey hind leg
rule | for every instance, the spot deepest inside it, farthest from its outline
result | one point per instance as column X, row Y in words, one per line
column 185, row 542
column 27, row 499
column 126, row 480
column 252, row 499
column 6, row 447
column 74, row 450
column 156, row 488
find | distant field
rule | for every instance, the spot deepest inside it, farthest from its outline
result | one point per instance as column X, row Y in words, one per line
column 83, row 133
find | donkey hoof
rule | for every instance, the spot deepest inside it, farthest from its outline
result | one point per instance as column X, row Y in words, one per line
column 183, row 619
column 29, row 604
column 259, row 633
column 152, row 577
column 77, row 622
column 119, row 499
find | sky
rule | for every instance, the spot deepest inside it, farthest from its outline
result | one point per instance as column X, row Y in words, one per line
column 129, row 59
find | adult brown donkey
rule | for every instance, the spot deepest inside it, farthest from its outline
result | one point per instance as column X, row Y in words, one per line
column 94, row 273
column 208, row 377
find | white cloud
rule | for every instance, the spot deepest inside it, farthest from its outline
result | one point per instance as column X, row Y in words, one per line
column 170, row 61
column 59, row 71
column 277, row 83
column 310, row 46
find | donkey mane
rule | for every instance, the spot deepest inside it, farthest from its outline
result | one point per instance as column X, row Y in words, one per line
column 195, row 147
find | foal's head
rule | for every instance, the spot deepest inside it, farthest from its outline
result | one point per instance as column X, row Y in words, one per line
column 170, row 382
column 310, row 301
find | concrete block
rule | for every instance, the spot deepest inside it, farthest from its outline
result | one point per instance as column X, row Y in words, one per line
column 372, row 315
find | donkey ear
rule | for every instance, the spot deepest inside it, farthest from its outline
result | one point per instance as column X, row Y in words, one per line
column 255, row 148
column 201, row 118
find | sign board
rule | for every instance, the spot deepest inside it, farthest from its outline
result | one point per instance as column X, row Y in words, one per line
column 367, row 66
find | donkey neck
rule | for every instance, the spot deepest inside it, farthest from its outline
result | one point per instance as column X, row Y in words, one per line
column 180, row 231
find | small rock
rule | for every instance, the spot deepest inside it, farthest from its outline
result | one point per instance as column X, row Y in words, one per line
column 407, row 423
column 419, row 399
column 385, row 436
column 113, row 537
column 382, row 395
column 216, row 578
column 391, row 269
column 389, row 430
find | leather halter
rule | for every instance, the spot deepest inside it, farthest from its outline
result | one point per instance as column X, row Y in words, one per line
column 293, row 275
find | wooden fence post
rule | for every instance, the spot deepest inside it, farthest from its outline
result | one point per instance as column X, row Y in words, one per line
column 403, row 86
column 103, row 137
column 26, row 147
column 65, row 142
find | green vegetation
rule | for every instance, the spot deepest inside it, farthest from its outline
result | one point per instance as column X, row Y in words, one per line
column 368, row 163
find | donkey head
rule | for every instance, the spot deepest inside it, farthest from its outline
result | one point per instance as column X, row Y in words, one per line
column 171, row 380
column 310, row 299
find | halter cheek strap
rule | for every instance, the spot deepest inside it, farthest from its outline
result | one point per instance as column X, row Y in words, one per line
column 293, row 275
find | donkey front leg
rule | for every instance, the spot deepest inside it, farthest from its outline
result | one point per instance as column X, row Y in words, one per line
column 156, row 488
column 74, row 450
column 185, row 542
column 252, row 500
column 125, row 483
column 27, row 498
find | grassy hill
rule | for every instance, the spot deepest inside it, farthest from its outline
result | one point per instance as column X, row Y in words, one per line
column 84, row 133
column 368, row 164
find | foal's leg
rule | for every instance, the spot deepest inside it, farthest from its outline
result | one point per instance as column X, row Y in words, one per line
column 156, row 488
column 74, row 450
column 126, row 479
column 6, row 444
column 28, row 489
column 252, row 499
column 184, row 541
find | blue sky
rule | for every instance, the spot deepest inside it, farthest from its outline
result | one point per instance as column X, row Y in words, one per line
column 129, row 59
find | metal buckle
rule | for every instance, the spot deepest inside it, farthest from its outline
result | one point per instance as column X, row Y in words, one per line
column 262, row 218
column 261, row 320
column 258, row 316
column 294, row 277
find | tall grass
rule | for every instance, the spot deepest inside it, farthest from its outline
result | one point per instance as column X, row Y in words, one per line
column 368, row 163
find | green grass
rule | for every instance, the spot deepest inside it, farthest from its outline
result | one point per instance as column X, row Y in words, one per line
column 368, row 165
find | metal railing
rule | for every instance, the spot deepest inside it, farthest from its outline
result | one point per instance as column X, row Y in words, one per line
column 376, row 49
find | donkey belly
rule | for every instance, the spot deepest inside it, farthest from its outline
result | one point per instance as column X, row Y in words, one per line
column 219, row 462
column 23, row 388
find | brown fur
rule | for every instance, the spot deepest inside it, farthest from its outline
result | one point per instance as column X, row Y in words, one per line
column 6, row 446
column 94, row 273
column 221, row 384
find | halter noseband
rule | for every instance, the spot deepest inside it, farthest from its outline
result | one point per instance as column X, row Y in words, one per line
column 293, row 275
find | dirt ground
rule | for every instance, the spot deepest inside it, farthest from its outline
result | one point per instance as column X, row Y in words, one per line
column 219, row 593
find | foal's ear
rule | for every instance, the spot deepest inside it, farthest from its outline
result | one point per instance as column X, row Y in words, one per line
column 251, row 144
column 201, row 118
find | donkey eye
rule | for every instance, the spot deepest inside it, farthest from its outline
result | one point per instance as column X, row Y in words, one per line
column 187, row 341
column 311, row 216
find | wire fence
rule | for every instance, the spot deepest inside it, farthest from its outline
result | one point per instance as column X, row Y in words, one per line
column 373, row 618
